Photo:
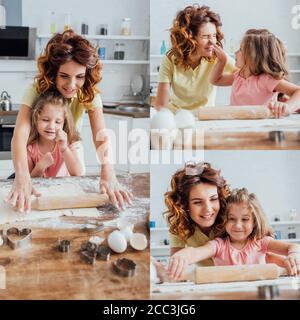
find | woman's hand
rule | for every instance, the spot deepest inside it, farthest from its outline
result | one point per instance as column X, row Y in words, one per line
column 118, row 196
column 279, row 109
column 178, row 263
column 61, row 139
column 292, row 263
column 20, row 194
column 220, row 54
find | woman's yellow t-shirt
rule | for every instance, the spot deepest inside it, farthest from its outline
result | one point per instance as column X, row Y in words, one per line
column 77, row 108
column 190, row 88
column 198, row 239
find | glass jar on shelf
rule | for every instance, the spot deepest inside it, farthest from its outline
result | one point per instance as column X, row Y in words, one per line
column 103, row 29
column 119, row 52
column 126, row 27
column 292, row 232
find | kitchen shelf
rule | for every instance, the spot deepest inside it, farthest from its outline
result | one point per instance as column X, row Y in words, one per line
column 160, row 229
column 102, row 37
column 161, row 247
column 290, row 240
column 156, row 56
column 125, row 61
column 295, row 71
column 285, row 223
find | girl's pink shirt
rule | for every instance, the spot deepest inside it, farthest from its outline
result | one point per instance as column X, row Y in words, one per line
column 254, row 252
column 255, row 90
column 58, row 169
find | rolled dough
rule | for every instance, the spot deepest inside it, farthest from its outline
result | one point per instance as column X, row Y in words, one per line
column 8, row 214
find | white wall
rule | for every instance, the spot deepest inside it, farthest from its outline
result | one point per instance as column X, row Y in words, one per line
column 115, row 85
column 274, row 176
column 237, row 16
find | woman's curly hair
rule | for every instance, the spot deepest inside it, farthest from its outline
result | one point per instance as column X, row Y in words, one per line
column 65, row 47
column 185, row 30
column 177, row 200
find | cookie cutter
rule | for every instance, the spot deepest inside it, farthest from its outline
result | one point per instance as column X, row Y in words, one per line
column 88, row 251
column 124, row 267
column 103, row 252
column 26, row 233
column 64, row 245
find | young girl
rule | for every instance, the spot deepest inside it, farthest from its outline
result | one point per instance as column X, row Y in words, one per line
column 261, row 76
column 244, row 237
column 53, row 149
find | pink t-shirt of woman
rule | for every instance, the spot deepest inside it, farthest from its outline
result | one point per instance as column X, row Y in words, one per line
column 58, row 169
column 254, row 252
column 255, row 90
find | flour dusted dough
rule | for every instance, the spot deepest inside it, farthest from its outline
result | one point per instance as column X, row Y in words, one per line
column 8, row 214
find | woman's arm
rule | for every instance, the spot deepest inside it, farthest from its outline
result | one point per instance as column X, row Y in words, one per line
column 108, row 181
column 20, row 194
column 162, row 97
column 182, row 258
column 280, row 109
column 217, row 76
column 291, row 251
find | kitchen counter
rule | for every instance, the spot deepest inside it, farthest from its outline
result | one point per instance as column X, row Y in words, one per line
column 115, row 111
column 40, row 271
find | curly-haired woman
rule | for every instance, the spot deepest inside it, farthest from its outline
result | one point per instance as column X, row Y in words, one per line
column 70, row 66
column 188, row 64
column 196, row 208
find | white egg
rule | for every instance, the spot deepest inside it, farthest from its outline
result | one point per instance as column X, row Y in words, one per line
column 184, row 119
column 138, row 241
column 117, row 242
column 164, row 119
column 127, row 232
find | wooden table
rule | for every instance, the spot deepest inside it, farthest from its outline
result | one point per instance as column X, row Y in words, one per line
column 40, row 271
column 277, row 289
column 251, row 141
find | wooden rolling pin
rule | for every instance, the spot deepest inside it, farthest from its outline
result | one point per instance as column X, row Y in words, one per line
column 88, row 200
column 235, row 273
column 234, row 113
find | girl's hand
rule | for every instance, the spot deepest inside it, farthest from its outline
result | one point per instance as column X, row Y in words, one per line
column 279, row 109
column 61, row 139
column 118, row 196
column 220, row 54
column 292, row 263
column 20, row 195
column 178, row 263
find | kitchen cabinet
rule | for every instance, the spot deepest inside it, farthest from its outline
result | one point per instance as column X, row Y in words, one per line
column 159, row 245
column 6, row 168
column 288, row 231
column 121, row 129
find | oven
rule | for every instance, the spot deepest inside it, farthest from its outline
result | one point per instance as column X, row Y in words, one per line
column 7, row 125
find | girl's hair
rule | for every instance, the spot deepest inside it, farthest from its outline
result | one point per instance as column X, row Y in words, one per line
column 177, row 200
column 60, row 102
column 261, row 227
column 185, row 30
column 264, row 53
column 63, row 48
